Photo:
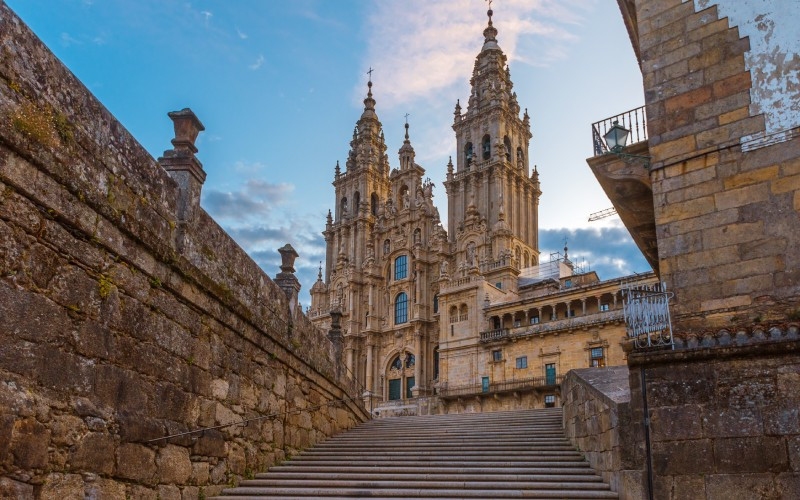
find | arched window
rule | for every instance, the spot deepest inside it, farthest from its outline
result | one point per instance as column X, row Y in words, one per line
column 436, row 303
column 401, row 308
column 374, row 204
column 517, row 255
column 468, row 154
column 487, row 147
column 520, row 157
column 463, row 313
column 356, row 202
column 507, row 144
column 343, row 207
column 411, row 360
column 396, row 364
column 400, row 267
column 453, row 314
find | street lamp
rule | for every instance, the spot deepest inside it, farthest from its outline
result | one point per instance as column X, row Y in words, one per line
column 616, row 139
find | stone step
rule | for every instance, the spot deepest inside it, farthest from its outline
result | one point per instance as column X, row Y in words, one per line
column 434, row 462
column 519, row 454
column 342, row 493
column 414, row 484
column 392, row 475
column 565, row 469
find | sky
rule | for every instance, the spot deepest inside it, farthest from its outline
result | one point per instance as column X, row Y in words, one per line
column 279, row 87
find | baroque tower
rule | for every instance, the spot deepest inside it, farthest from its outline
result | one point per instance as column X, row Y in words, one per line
column 493, row 195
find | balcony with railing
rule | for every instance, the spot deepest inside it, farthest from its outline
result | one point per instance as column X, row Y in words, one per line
column 545, row 383
column 624, row 175
column 576, row 322
column 492, row 335
column 634, row 120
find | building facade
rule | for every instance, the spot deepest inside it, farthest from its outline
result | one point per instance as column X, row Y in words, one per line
column 437, row 320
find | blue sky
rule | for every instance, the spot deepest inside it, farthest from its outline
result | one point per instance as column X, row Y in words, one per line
column 278, row 86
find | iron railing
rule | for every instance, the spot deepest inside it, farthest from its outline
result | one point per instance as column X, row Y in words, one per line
column 634, row 120
column 647, row 319
column 513, row 385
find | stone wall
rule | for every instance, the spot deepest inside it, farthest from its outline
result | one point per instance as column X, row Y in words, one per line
column 598, row 421
column 123, row 320
column 721, row 89
column 724, row 415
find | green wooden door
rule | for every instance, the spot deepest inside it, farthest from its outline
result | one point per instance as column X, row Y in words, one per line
column 550, row 373
column 485, row 384
column 409, row 385
column 394, row 389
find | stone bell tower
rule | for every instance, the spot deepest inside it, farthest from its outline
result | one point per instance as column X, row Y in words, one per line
column 492, row 195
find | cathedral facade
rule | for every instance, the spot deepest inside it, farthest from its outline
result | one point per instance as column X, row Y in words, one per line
column 424, row 309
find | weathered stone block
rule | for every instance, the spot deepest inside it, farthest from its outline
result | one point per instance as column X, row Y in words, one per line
column 683, row 457
column 94, row 452
column 29, row 444
column 751, row 454
column 173, row 464
column 136, row 462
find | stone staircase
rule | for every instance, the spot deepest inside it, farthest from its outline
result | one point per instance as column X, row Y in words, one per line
column 514, row 454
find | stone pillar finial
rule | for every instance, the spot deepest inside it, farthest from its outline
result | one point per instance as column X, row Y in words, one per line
column 286, row 278
column 185, row 169
column 187, row 127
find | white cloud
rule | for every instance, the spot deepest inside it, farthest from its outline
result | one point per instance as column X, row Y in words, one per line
column 67, row 40
column 207, row 15
column 259, row 62
column 241, row 34
column 420, row 48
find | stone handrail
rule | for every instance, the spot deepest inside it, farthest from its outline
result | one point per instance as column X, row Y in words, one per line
column 569, row 323
column 498, row 334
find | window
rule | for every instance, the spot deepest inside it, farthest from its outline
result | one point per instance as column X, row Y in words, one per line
column 487, row 147
column 499, row 285
column 468, row 154
column 497, row 355
column 436, row 303
column 534, row 320
column 401, row 308
column 401, row 267
column 603, row 307
column 410, row 360
column 550, row 373
column 597, row 360
column 496, row 322
column 410, row 383
column 507, row 144
column 550, row 401
column 522, row 362
column 397, row 364
column 356, row 202
column 568, row 283
column 374, row 204
column 343, row 207
column 435, row 363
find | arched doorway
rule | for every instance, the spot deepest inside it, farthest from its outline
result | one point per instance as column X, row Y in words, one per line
column 400, row 376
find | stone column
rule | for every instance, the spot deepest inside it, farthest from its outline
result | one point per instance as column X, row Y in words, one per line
column 583, row 304
column 370, row 368
column 185, row 169
column 418, row 363
column 349, row 363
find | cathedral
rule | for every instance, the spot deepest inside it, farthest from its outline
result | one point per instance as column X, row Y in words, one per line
column 436, row 320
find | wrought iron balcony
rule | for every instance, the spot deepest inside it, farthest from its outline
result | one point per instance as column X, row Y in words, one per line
column 505, row 386
column 634, row 120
